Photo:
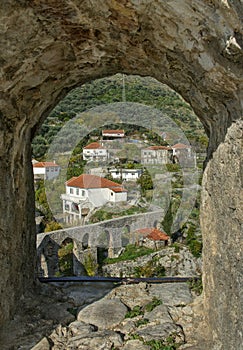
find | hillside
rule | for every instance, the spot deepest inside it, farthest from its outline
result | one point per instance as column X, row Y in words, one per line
column 113, row 89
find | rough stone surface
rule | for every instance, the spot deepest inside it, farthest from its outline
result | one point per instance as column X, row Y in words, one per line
column 50, row 46
column 175, row 264
column 102, row 326
column 103, row 314
column 223, row 276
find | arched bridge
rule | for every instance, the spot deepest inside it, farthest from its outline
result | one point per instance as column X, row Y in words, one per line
column 109, row 235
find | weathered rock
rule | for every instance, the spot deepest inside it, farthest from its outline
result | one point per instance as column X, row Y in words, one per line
column 194, row 47
column 104, row 313
column 182, row 263
column 171, row 293
column 131, row 296
column 160, row 332
column 135, row 345
column 222, row 225
column 42, row 345
column 159, row 315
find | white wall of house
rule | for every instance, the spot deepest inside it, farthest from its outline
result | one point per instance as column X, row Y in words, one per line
column 98, row 154
column 46, row 173
column 126, row 174
column 77, row 198
column 152, row 156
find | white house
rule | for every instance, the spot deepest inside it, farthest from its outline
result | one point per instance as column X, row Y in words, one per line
column 183, row 154
column 156, row 155
column 111, row 134
column 45, row 170
column 86, row 192
column 95, row 152
column 126, row 174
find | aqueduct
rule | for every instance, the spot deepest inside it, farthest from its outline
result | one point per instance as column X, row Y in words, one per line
column 196, row 47
column 110, row 234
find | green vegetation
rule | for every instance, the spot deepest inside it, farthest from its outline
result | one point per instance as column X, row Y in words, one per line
column 90, row 264
column 52, row 226
column 109, row 90
column 140, row 310
column 65, row 260
column 145, row 181
column 152, row 304
column 102, row 214
column 167, row 344
column 163, row 344
column 136, row 311
column 131, row 252
column 150, row 269
column 196, row 285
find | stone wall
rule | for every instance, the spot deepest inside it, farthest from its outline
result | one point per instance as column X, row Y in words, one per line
column 50, row 46
column 110, row 234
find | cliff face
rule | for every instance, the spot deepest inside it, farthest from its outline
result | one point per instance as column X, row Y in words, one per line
column 221, row 219
column 50, row 46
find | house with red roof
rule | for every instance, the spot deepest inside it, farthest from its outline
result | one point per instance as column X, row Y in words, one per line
column 112, row 134
column 151, row 238
column 183, row 154
column 156, row 155
column 45, row 170
column 95, row 152
column 87, row 192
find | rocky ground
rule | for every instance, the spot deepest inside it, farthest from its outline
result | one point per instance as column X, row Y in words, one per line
column 103, row 316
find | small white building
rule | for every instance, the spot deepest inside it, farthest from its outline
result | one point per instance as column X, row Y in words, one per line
column 126, row 174
column 156, row 155
column 86, row 192
column 111, row 134
column 45, row 170
column 95, row 152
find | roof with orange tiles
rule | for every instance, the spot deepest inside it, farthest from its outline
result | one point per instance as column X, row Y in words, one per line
column 112, row 131
column 94, row 145
column 159, row 147
column 44, row 164
column 181, row 145
column 94, row 181
column 153, row 233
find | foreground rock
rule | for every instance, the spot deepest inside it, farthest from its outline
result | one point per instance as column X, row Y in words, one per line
column 130, row 317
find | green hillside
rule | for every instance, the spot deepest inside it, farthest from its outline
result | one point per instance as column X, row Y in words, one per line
column 146, row 91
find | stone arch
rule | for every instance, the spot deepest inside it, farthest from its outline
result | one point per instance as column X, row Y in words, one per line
column 194, row 47
column 85, row 241
column 47, row 257
column 125, row 235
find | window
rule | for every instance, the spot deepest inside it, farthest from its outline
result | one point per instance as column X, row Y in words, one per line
column 112, row 193
column 67, row 207
column 77, row 191
column 71, row 190
column 83, row 193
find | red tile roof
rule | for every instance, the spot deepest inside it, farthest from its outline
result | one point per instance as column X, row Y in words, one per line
column 111, row 131
column 94, row 145
column 44, row 164
column 181, row 145
column 94, row 181
column 153, row 233
column 159, row 147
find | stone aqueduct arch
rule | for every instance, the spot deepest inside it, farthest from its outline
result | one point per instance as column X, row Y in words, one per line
column 50, row 46
column 106, row 234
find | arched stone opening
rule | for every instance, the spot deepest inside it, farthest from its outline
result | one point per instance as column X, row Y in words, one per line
column 194, row 47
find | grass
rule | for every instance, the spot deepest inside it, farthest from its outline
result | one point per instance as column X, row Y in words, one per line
column 131, row 252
